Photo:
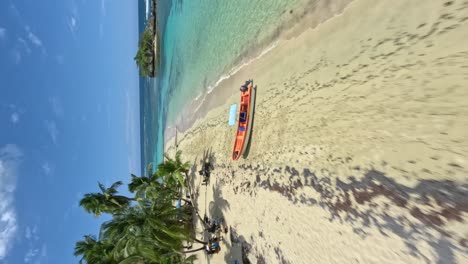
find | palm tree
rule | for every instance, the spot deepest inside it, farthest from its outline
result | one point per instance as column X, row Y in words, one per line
column 149, row 221
column 139, row 185
column 174, row 171
column 142, row 231
column 149, row 169
column 194, row 250
column 105, row 202
column 153, row 188
column 150, row 231
column 94, row 251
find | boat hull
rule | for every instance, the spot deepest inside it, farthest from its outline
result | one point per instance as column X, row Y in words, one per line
column 244, row 124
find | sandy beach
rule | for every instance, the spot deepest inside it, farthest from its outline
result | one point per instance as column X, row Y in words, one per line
column 359, row 146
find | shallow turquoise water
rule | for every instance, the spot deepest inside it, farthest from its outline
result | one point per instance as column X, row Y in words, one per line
column 201, row 40
column 205, row 38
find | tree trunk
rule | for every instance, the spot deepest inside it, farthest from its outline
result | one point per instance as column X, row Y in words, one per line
column 187, row 201
column 183, row 199
column 194, row 205
column 201, row 219
column 193, row 250
column 199, row 241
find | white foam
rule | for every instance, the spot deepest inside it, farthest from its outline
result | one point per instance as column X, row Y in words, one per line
column 200, row 104
column 198, row 96
column 231, row 73
column 238, row 68
column 147, row 2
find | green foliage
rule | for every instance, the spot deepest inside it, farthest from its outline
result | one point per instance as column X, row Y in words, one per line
column 150, row 230
column 173, row 171
column 145, row 57
column 107, row 201
column 94, row 251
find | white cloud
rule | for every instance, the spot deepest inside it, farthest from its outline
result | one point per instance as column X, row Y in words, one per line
column 27, row 38
column 24, row 45
column 14, row 11
column 10, row 156
column 44, row 251
column 34, row 39
column 73, row 18
column 52, row 130
column 2, row 32
column 57, row 107
column 15, row 118
column 103, row 14
column 30, row 255
column 31, row 233
column 73, row 22
column 16, row 55
column 46, row 168
column 147, row 3
column 16, row 112
column 72, row 25
column 28, row 233
column 103, row 8
column 35, row 252
column 35, row 232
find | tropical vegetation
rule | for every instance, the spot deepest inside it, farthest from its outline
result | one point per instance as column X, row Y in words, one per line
column 147, row 57
column 146, row 228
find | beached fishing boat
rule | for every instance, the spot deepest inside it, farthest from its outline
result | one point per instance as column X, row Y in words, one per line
column 244, row 126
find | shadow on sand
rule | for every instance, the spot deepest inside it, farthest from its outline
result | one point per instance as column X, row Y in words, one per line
column 214, row 209
column 239, row 248
column 216, row 212
column 194, row 188
column 249, row 142
column 447, row 202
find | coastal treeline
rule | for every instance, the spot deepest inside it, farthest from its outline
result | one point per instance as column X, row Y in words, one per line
column 147, row 228
column 147, row 57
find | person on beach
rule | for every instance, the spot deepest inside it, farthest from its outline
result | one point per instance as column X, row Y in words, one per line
column 213, row 246
column 244, row 87
column 205, row 172
column 213, row 227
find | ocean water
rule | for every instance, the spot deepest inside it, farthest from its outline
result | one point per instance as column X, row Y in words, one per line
column 201, row 40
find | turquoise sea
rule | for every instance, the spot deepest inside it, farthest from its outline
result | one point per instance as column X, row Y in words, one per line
column 200, row 41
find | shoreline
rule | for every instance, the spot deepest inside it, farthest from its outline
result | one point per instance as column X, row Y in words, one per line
column 359, row 146
column 314, row 14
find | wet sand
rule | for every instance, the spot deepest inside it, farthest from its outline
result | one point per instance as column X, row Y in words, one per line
column 359, row 146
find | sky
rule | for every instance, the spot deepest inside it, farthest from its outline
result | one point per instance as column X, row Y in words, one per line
column 69, row 117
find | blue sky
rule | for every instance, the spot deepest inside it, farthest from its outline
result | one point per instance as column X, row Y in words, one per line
column 69, row 113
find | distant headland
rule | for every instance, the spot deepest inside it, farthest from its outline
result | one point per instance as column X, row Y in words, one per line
column 147, row 57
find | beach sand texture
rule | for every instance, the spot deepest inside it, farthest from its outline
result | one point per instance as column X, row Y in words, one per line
column 359, row 146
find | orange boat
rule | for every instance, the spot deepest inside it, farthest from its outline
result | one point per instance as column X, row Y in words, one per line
column 245, row 119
